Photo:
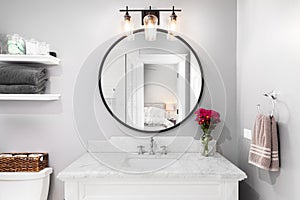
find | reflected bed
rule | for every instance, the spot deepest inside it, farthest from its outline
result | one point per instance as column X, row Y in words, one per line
column 155, row 117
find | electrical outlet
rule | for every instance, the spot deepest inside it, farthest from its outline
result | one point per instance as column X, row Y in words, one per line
column 247, row 134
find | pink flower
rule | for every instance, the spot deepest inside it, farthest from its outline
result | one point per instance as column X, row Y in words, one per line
column 207, row 119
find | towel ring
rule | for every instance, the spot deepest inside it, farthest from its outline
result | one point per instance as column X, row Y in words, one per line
column 273, row 97
column 258, row 108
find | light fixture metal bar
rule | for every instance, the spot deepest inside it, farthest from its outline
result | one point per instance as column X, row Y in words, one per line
column 150, row 9
column 140, row 10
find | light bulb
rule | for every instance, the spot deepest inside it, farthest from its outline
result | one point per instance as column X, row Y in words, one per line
column 150, row 23
column 128, row 24
column 172, row 26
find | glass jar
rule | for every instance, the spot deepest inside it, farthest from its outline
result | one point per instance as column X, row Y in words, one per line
column 21, row 45
column 3, row 44
column 15, row 44
column 44, row 48
column 32, row 47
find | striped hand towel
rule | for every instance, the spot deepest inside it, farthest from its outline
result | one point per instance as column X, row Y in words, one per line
column 264, row 147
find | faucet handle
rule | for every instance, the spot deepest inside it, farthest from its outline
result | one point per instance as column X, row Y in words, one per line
column 140, row 149
column 152, row 146
column 151, row 139
column 163, row 150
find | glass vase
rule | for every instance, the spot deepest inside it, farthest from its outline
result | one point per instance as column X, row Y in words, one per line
column 205, row 139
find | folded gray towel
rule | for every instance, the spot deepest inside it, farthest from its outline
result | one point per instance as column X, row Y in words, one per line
column 23, row 89
column 22, row 75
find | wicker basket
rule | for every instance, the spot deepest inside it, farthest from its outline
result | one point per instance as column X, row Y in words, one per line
column 21, row 162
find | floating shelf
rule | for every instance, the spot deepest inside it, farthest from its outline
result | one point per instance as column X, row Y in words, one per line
column 29, row 59
column 41, row 59
column 29, row 97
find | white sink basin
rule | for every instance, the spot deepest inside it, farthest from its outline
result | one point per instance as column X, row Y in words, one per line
column 148, row 163
column 134, row 163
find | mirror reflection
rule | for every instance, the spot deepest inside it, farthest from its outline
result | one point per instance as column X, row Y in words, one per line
column 150, row 86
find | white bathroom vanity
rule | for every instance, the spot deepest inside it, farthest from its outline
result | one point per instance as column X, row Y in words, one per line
column 129, row 176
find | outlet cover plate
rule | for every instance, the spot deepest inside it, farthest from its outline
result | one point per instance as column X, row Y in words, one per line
column 247, row 134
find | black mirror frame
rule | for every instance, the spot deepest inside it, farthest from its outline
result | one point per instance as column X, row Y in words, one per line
column 123, row 123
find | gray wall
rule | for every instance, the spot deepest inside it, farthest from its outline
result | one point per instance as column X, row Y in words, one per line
column 268, row 58
column 74, row 29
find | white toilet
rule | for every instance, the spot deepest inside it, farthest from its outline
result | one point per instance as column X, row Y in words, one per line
column 25, row 185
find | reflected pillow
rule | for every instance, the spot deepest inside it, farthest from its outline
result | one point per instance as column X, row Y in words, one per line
column 154, row 112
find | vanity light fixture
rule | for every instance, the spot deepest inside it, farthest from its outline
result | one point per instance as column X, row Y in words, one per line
column 150, row 20
column 172, row 25
column 128, row 23
column 150, row 24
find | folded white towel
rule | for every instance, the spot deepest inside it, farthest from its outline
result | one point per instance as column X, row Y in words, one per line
column 35, row 155
column 5, row 155
column 20, row 156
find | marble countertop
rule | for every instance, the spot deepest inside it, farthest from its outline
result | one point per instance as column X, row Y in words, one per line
column 188, row 165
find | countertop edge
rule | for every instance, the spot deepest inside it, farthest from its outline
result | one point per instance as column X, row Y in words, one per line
column 71, row 173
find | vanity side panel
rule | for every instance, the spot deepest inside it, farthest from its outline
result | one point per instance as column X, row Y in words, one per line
column 71, row 190
column 231, row 190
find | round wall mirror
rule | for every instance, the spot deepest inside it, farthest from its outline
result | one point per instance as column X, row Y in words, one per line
column 151, row 86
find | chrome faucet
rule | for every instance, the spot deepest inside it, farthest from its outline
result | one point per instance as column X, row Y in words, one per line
column 141, row 150
column 151, row 152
